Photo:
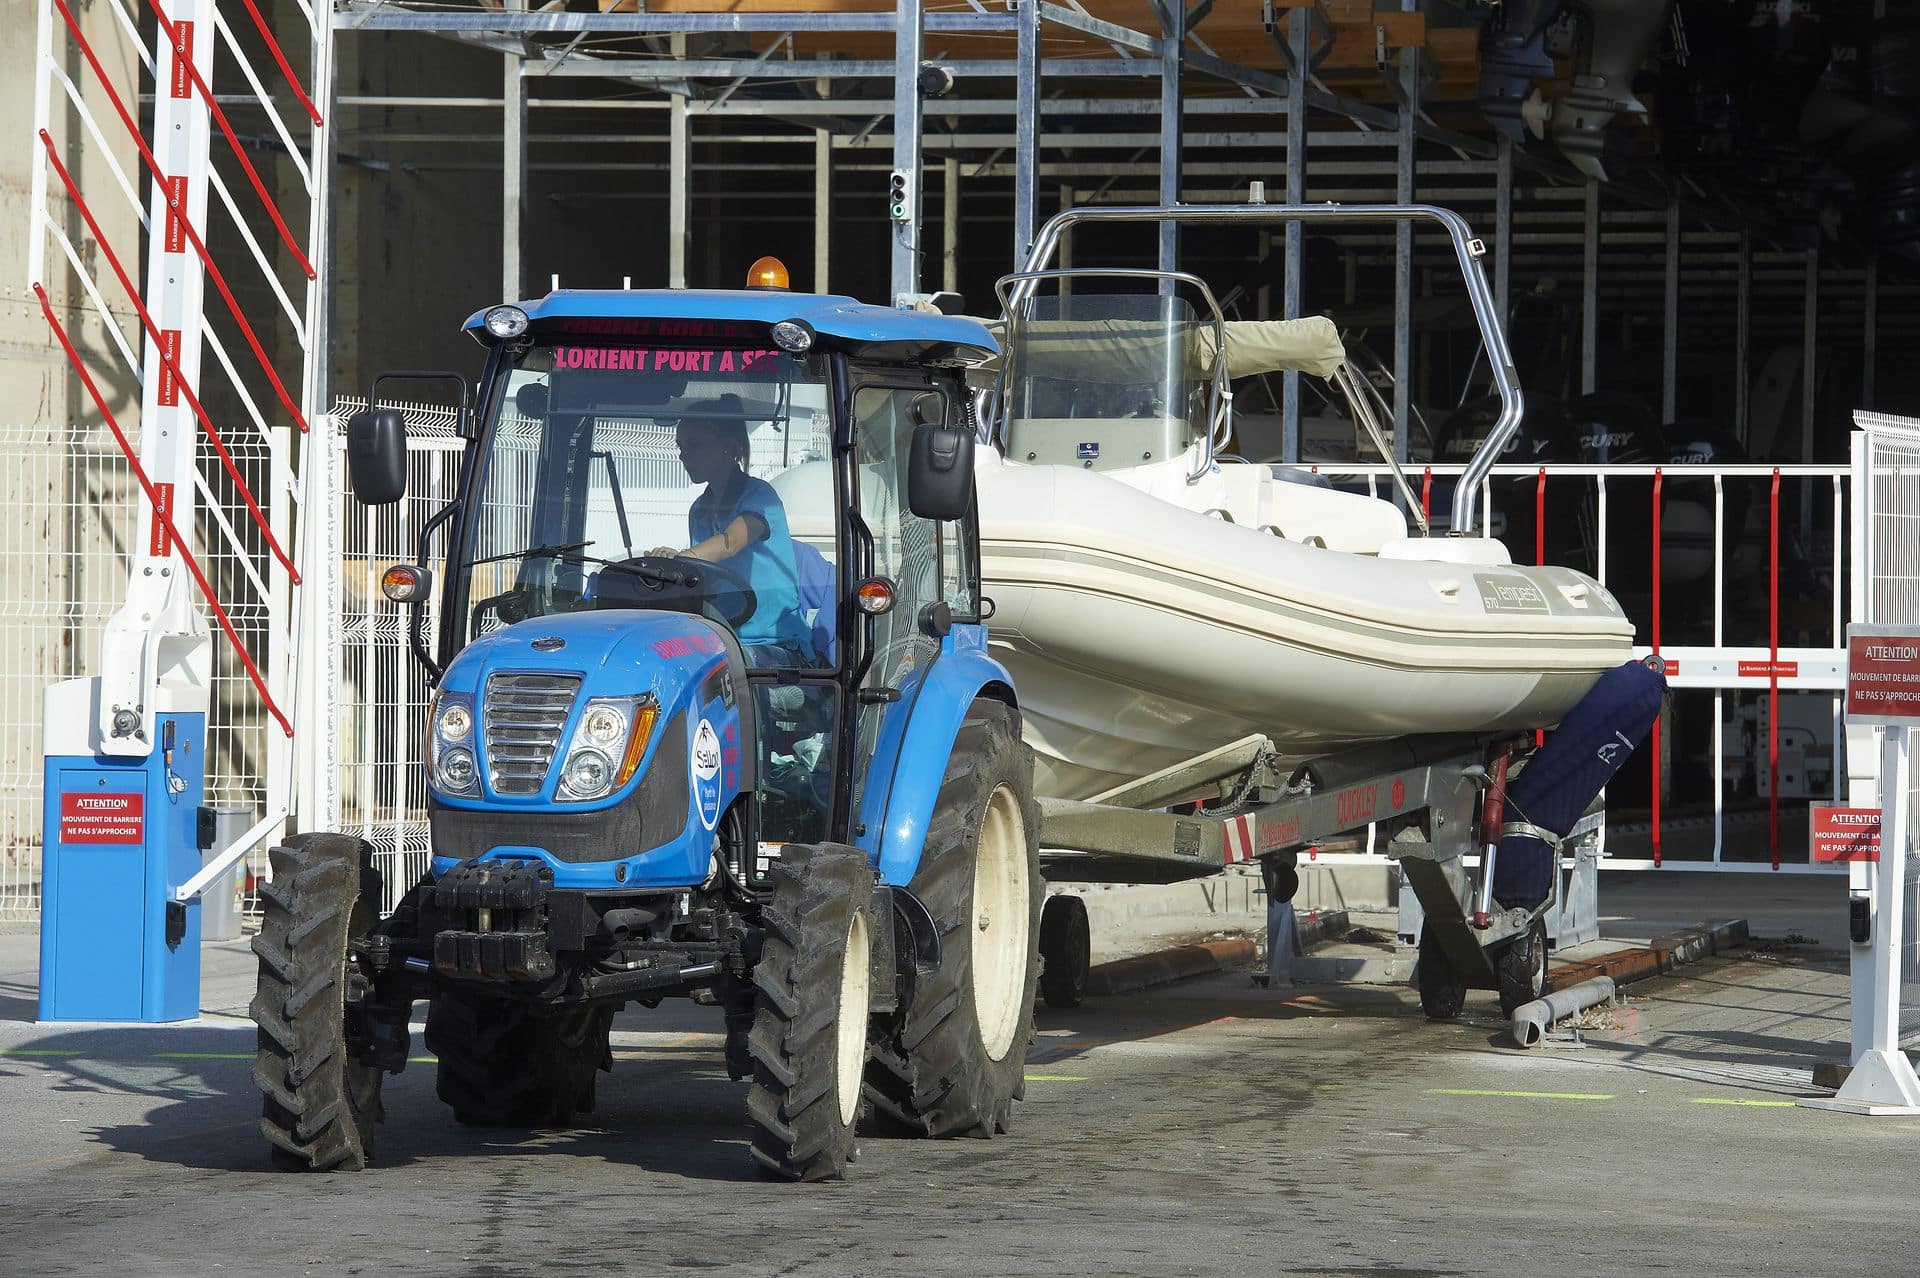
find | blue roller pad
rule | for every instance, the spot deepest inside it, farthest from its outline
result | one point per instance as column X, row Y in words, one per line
column 1563, row 776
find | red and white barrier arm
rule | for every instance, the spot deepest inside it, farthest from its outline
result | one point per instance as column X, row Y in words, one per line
column 161, row 347
column 177, row 542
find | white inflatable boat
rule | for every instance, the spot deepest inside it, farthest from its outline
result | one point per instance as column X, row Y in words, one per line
column 1141, row 632
column 1157, row 598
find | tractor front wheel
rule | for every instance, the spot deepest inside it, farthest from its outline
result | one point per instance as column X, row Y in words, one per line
column 320, row 1094
column 809, row 1037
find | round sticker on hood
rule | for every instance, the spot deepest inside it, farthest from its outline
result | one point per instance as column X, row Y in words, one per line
column 705, row 765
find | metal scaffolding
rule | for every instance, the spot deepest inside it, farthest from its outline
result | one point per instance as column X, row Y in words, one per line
column 1000, row 124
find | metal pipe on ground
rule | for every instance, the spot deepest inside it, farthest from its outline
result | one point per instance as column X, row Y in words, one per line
column 1531, row 1021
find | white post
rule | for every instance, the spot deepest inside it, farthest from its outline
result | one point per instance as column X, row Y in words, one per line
column 1882, row 1080
column 316, row 785
column 822, row 208
column 158, row 636
column 42, row 119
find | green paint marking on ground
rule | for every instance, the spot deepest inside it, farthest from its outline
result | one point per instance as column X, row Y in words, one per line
column 204, row 1056
column 42, row 1051
column 1753, row 1104
column 1475, row 1091
column 423, row 1060
column 1056, row 1078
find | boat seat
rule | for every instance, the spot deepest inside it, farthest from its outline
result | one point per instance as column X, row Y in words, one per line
column 1309, row 513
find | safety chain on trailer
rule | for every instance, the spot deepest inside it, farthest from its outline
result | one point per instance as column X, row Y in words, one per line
column 1245, row 790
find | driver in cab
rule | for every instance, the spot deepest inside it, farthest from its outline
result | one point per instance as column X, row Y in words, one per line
column 739, row 524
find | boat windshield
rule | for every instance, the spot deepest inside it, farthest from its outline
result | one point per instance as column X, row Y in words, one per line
column 657, row 474
column 1105, row 379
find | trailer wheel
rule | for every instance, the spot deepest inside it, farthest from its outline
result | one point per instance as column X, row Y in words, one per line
column 500, row 1065
column 809, row 1038
column 1064, row 950
column 320, row 1095
column 1442, row 993
column 955, row 1060
column 1522, row 969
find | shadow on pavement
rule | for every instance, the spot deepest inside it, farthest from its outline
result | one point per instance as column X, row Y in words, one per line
column 1124, row 1018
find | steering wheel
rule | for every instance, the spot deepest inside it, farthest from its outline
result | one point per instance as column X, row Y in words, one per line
column 509, row 607
column 683, row 573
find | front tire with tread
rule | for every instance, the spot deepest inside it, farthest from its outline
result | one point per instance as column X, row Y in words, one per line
column 320, row 1100
column 811, row 1023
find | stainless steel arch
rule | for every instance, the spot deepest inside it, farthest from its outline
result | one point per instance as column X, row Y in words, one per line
column 1467, row 251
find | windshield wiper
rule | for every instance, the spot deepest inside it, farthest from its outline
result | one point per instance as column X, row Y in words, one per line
column 534, row 552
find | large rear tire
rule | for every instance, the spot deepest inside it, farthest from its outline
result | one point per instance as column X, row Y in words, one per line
column 501, row 1065
column 956, row 1059
column 810, row 1029
column 320, row 1097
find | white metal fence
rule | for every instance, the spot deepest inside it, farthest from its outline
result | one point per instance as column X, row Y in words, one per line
column 66, row 529
column 380, row 692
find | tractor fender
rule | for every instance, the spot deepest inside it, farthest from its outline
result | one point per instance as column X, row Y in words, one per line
column 959, row 678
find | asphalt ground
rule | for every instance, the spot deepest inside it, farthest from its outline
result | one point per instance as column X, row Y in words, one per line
column 1210, row 1127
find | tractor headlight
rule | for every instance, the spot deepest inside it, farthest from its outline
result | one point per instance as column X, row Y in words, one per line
column 793, row 335
column 604, row 725
column 588, row 775
column 450, row 763
column 456, row 723
column 609, row 729
column 455, row 771
column 506, row 321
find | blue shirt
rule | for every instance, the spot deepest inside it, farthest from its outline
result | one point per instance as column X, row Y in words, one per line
column 766, row 564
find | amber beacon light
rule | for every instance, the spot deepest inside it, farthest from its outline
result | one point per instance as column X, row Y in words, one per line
column 768, row 272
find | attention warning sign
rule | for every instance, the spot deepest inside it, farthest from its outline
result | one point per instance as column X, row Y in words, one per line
column 103, row 818
column 1883, row 674
column 1846, row 834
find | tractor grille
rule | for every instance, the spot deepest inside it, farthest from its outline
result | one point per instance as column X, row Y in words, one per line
column 524, row 715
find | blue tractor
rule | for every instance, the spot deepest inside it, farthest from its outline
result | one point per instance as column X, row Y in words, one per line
column 714, row 717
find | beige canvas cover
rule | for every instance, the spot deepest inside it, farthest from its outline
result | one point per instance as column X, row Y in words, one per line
column 1308, row 345
column 1134, row 350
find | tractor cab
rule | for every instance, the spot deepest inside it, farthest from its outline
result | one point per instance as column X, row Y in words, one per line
column 659, row 479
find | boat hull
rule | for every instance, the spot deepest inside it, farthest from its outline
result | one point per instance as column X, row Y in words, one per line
column 1140, row 634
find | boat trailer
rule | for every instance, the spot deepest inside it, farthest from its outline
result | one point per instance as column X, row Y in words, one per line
column 1427, row 802
column 1425, row 798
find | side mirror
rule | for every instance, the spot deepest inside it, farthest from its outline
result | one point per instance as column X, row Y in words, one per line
column 377, row 455
column 940, row 472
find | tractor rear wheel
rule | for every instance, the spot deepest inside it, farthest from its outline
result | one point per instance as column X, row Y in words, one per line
column 320, row 1096
column 501, row 1065
column 956, row 1059
column 810, row 1029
